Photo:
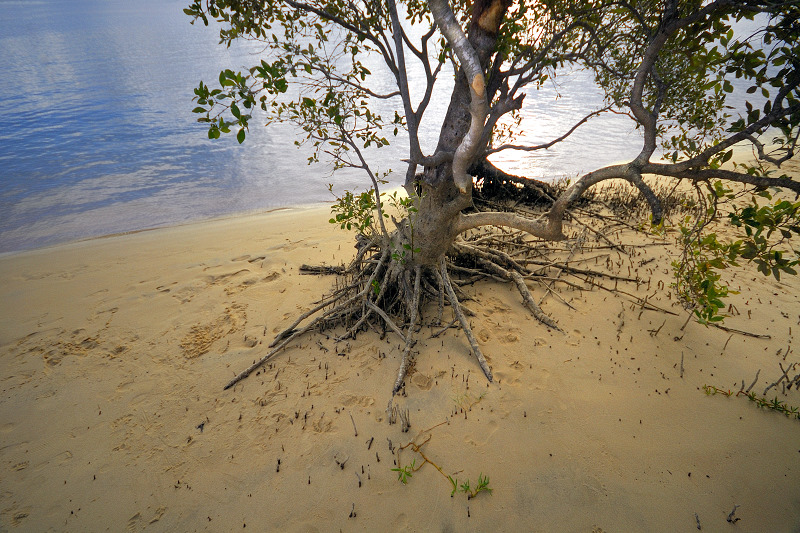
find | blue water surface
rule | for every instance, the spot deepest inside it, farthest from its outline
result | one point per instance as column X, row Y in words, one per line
column 98, row 135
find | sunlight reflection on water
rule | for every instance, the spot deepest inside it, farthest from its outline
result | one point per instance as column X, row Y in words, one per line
column 549, row 113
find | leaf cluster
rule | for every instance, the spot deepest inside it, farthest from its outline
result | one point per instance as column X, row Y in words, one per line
column 355, row 211
column 768, row 229
column 697, row 278
column 768, row 232
column 233, row 89
column 405, row 473
column 310, row 72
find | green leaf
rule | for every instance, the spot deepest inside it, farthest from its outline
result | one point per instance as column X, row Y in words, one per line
column 727, row 87
column 281, row 85
column 240, row 136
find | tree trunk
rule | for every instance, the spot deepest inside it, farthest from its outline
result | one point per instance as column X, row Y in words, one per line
column 433, row 227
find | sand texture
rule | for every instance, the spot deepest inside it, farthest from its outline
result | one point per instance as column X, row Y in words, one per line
column 114, row 352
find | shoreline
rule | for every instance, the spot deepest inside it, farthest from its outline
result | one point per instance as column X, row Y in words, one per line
column 115, row 350
column 741, row 153
column 167, row 226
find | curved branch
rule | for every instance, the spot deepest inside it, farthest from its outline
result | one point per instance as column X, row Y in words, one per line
column 652, row 200
column 470, row 63
column 777, row 161
column 550, row 226
column 551, row 143
column 541, row 227
column 670, row 25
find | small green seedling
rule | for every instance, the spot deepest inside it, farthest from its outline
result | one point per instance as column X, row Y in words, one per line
column 454, row 483
column 466, row 488
column 761, row 402
column 405, row 472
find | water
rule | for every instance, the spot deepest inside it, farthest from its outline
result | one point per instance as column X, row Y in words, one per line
column 98, row 135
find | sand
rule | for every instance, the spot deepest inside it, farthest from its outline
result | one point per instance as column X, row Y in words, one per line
column 114, row 352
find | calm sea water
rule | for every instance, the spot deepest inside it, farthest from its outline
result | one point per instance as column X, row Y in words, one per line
column 98, row 135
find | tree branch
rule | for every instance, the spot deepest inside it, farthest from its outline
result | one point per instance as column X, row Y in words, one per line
column 729, row 175
column 470, row 63
column 551, row 143
column 344, row 24
column 550, row 226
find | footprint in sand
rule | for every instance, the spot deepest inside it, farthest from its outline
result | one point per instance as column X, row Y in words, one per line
column 252, row 281
column 14, row 515
column 349, row 400
column 323, row 425
column 133, row 522
column 217, row 279
column 166, row 287
column 510, row 335
column 493, row 305
column 422, row 381
column 201, row 337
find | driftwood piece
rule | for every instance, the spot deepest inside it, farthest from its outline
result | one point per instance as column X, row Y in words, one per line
column 321, row 269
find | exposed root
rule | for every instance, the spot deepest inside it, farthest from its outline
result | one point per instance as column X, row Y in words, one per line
column 321, row 269
column 381, row 292
column 401, row 373
column 463, row 320
column 389, row 321
column 486, row 259
column 527, row 298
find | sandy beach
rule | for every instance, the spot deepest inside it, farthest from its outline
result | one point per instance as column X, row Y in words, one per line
column 114, row 353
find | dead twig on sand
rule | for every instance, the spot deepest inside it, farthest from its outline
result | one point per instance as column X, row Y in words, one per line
column 741, row 332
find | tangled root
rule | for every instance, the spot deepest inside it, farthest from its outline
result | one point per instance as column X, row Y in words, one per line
column 378, row 291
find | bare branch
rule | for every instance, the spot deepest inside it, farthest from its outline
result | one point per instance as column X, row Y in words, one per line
column 372, row 178
column 777, row 161
column 338, row 79
column 346, row 25
column 551, row 143
column 402, row 83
